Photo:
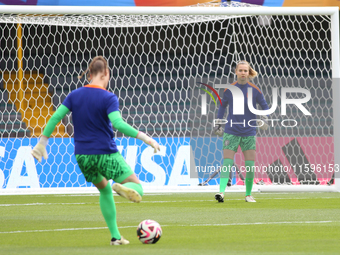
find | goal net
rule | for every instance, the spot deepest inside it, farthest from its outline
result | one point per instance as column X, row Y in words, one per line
column 159, row 59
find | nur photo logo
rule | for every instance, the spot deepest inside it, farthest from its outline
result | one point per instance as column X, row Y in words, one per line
column 238, row 103
column 204, row 97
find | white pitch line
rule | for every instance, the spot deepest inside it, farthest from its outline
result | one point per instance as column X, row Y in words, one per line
column 97, row 195
column 44, row 204
column 170, row 201
column 50, row 230
column 259, row 223
column 189, row 225
column 127, row 202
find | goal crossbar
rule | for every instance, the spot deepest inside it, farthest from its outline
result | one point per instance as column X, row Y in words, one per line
column 99, row 10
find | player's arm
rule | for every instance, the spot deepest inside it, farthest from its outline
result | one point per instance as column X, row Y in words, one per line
column 123, row 127
column 218, row 129
column 263, row 103
column 39, row 150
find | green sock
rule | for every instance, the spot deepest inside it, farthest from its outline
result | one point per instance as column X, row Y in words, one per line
column 137, row 187
column 249, row 176
column 108, row 208
column 224, row 175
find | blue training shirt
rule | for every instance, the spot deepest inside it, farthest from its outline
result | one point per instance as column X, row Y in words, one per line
column 90, row 106
column 242, row 129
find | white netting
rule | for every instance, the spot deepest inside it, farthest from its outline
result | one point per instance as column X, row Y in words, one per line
column 156, row 60
column 290, row 52
column 121, row 20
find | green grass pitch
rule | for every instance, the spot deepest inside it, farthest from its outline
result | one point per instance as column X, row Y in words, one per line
column 192, row 223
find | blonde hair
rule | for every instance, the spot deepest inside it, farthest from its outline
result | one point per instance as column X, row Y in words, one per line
column 252, row 72
column 97, row 65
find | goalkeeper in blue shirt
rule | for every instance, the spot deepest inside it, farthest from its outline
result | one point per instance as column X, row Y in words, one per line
column 93, row 110
column 237, row 131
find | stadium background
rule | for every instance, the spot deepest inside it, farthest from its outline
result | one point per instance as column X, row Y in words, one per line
column 60, row 76
column 168, row 2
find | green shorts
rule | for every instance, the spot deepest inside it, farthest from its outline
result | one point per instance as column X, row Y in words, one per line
column 231, row 142
column 111, row 166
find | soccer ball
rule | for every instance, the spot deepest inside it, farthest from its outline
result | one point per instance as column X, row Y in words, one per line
column 149, row 231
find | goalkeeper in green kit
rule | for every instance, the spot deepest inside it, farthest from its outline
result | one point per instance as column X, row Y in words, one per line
column 237, row 131
column 93, row 110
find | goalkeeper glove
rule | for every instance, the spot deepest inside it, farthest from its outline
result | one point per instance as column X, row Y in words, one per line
column 263, row 123
column 218, row 130
column 39, row 150
column 149, row 141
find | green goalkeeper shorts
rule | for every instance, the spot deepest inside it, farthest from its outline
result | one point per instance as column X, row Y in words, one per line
column 231, row 142
column 111, row 166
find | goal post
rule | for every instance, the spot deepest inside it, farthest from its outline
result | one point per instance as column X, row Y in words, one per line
column 158, row 56
column 336, row 89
